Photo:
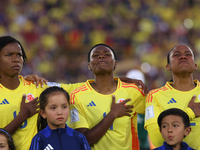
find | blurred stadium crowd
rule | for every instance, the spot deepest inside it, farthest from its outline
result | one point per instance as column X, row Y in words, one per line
column 58, row 34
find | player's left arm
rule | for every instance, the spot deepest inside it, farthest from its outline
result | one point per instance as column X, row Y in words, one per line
column 139, row 83
column 152, row 111
column 94, row 134
column 139, row 100
column 71, row 86
column 39, row 80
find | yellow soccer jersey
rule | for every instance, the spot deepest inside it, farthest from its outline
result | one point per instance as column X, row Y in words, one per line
column 88, row 108
column 167, row 97
column 10, row 107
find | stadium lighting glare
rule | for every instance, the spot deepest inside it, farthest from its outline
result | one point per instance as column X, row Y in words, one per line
column 188, row 23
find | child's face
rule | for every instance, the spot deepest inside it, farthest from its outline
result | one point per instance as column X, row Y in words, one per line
column 3, row 143
column 56, row 111
column 173, row 130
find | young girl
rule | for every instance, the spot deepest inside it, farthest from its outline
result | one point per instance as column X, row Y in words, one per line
column 53, row 131
column 6, row 141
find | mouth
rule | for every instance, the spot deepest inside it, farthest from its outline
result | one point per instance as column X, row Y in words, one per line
column 102, row 62
column 60, row 119
column 181, row 62
column 16, row 67
column 170, row 137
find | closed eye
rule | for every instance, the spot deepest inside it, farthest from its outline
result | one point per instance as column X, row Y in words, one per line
column 9, row 55
column 20, row 55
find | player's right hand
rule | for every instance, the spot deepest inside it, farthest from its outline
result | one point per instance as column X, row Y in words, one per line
column 194, row 106
column 120, row 109
column 29, row 109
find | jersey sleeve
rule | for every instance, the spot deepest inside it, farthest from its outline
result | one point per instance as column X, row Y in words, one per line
column 139, row 101
column 190, row 113
column 77, row 117
column 70, row 87
column 37, row 143
column 152, row 111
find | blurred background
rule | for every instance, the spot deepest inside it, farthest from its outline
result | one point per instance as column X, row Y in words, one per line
column 58, row 34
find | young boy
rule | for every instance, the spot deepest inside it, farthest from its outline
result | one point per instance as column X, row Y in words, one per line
column 174, row 125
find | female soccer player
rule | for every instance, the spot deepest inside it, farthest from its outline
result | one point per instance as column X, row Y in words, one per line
column 105, row 109
column 176, row 94
column 18, row 104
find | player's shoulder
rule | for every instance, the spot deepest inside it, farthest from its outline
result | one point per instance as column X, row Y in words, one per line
column 130, row 86
column 81, row 89
column 158, row 90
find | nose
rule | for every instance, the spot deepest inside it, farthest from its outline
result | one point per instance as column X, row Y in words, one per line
column 170, row 129
column 183, row 57
column 16, row 59
column 59, row 112
column 101, row 56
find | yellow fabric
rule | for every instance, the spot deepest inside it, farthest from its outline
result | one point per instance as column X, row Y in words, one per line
column 167, row 97
column 88, row 108
column 190, row 113
column 10, row 106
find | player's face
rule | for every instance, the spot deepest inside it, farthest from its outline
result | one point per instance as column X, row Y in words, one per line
column 57, row 111
column 11, row 60
column 3, row 143
column 102, row 60
column 173, row 130
column 181, row 60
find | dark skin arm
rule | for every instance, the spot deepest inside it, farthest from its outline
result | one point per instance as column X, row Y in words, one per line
column 194, row 106
column 26, row 110
column 139, row 83
column 97, row 132
column 36, row 79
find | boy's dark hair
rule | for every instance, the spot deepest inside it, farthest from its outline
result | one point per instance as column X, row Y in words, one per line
column 9, row 139
column 43, row 99
column 175, row 112
column 5, row 40
column 168, row 55
column 101, row 45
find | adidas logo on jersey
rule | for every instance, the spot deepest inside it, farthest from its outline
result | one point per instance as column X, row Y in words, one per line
column 4, row 102
column 91, row 104
column 172, row 101
column 48, row 147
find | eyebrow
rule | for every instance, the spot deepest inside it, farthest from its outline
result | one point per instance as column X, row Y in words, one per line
column 8, row 52
column 2, row 143
column 106, row 50
column 172, row 122
column 186, row 51
column 57, row 105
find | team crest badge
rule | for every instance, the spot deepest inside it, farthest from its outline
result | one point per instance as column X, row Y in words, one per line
column 120, row 100
column 29, row 97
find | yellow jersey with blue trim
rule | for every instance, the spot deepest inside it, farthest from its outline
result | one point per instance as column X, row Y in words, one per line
column 165, row 98
column 88, row 108
column 10, row 102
